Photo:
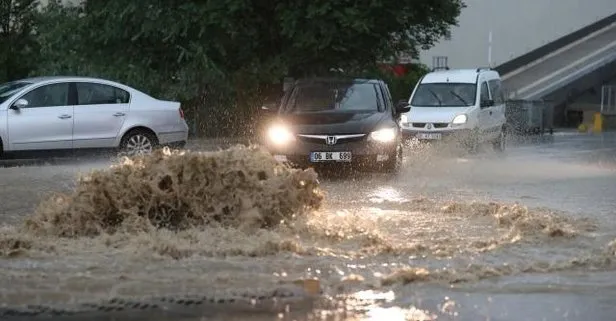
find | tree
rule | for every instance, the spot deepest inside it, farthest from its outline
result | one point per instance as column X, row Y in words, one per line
column 220, row 53
column 17, row 43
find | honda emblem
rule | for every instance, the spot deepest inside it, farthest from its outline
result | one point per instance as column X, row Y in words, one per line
column 331, row 140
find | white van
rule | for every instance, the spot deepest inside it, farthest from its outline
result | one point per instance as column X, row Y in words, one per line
column 461, row 103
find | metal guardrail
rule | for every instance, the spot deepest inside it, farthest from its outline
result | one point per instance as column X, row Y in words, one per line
column 530, row 116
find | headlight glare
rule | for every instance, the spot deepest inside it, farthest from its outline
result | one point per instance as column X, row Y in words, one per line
column 460, row 119
column 384, row 135
column 280, row 135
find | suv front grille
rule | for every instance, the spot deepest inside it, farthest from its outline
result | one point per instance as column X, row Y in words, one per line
column 311, row 139
column 322, row 139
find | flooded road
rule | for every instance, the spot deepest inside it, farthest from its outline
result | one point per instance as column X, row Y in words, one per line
column 525, row 236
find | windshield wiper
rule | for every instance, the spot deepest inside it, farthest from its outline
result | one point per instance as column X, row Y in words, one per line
column 458, row 96
column 440, row 103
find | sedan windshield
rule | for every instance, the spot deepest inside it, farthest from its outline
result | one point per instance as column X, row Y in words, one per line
column 444, row 95
column 10, row 88
column 325, row 97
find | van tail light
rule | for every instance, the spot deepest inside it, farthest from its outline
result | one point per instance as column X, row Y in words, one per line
column 181, row 112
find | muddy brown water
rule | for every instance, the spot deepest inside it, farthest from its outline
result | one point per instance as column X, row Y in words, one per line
column 482, row 237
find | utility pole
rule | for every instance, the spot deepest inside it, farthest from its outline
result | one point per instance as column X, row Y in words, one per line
column 490, row 15
column 490, row 48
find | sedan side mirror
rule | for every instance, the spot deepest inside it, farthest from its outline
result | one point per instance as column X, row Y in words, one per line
column 487, row 103
column 269, row 107
column 20, row 103
column 403, row 107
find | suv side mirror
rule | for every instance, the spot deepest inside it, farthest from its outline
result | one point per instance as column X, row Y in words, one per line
column 487, row 103
column 403, row 107
column 20, row 103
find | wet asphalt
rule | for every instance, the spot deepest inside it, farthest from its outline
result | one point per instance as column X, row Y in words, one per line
column 568, row 171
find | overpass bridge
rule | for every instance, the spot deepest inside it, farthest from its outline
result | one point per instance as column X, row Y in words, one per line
column 558, row 64
column 567, row 69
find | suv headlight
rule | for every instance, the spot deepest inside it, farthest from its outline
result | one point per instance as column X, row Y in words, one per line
column 460, row 119
column 280, row 135
column 404, row 120
column 384, row 135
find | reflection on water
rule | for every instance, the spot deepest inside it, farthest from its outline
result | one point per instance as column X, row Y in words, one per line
column 370, row 305
column 399, row 314
column 386, row 193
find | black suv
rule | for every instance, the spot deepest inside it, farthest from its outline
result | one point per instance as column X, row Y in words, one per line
column 341, row 121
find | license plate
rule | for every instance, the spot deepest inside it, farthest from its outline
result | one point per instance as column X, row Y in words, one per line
column 429, row 135
column 330, row 156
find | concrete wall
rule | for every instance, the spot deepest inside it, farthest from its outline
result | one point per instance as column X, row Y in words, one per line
column 593, row 96
column 589, row 102
column 518, row 26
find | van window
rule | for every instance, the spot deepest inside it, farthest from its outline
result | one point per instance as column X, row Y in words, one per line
column 497, row 92
column 485, row 93
column 444, row 95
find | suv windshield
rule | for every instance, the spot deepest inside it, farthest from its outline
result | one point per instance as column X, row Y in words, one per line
column 445, row 95
column 333, row 96
column 10, row 88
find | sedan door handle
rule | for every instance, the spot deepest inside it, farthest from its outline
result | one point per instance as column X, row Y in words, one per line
column 119, row 114
column 64, row 116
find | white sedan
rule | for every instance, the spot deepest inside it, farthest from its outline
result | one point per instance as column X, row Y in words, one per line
column 69, row 113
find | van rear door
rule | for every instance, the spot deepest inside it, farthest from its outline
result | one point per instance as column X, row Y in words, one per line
column 485, row 112
column 498, row 110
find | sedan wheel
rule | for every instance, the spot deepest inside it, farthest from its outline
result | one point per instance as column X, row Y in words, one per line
column 138, row 143
column 394, row 164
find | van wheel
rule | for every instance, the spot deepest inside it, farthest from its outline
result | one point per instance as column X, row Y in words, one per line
column 472, row 142
column 500, row 145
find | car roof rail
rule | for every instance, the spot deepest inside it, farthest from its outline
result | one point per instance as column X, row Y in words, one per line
column 480, row 69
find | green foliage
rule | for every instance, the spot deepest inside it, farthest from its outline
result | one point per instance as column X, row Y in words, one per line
column 17, row 42
column 78, row 40
column 400, row 86
column 348, row 34
column 218, row 56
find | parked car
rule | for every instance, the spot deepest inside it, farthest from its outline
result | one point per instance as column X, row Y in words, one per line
column 332, row 121
column 463, row 104
column 74, row 113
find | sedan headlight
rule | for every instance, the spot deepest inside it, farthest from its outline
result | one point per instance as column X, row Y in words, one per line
column 280, row 135
column 384, row 135
column 460, row 119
